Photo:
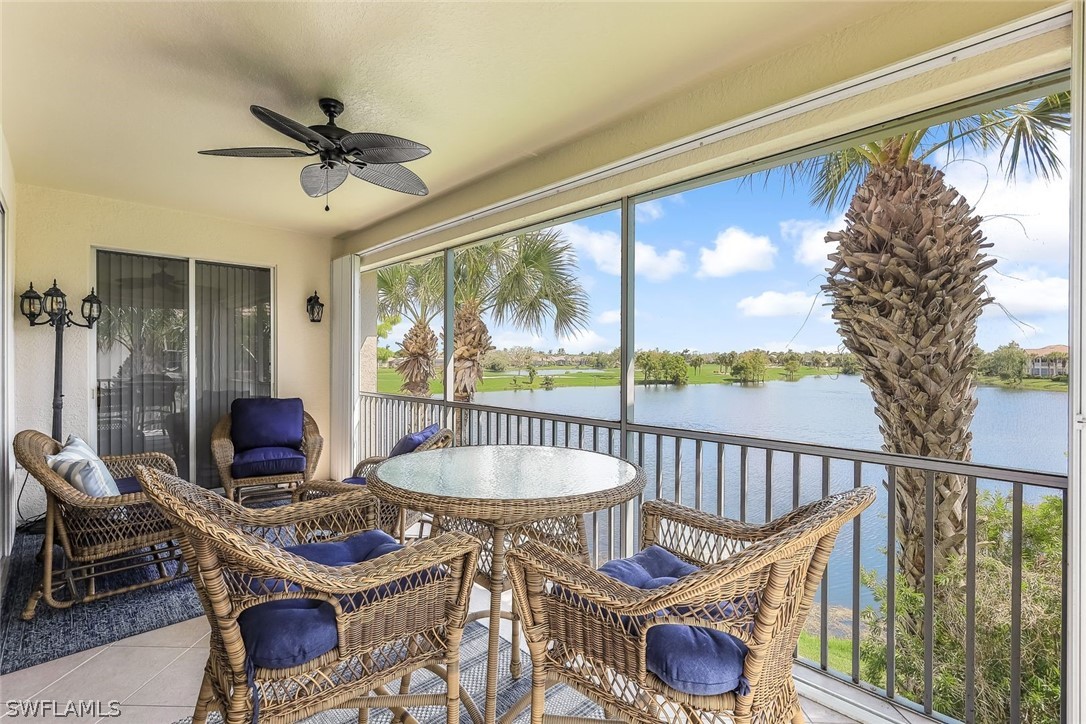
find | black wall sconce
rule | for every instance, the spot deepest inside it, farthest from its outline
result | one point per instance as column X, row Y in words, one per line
column 314, row 308
column 54, row 304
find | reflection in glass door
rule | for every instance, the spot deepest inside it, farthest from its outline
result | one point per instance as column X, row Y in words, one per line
column 162, row 383
column 143, row 375
column 233, row 348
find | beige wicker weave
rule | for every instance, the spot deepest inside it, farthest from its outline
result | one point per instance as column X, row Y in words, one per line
column 396, row 614
column 96, row 535
column 222, row 450
column 392, row 519
column 587, row 630
column 494, row 492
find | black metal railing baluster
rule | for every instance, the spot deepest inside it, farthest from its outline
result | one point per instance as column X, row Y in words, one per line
column 743, row 450
column 1016, row 605
column 891, row 581
column 857, row 481
column 824, row 587
column 697, row 475
column 971, row 599
column 929, row 590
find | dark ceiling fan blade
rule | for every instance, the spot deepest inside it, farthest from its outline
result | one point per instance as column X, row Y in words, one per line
column 319, row 179
column 292, row 128
column 382, row 148
column 391, row 176
column 258, row 152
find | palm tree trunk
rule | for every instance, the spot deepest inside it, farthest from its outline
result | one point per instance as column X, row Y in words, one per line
column 471, row 342
column 907, row 289
column 416, row 366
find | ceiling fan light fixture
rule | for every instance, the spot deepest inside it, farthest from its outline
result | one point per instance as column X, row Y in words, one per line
column 320, row 179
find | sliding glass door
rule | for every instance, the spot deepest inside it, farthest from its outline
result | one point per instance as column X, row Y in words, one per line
column 178, row 340
column 143, row 371
column 233, row 348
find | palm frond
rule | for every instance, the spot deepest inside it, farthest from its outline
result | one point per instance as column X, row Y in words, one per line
column 1029, row 136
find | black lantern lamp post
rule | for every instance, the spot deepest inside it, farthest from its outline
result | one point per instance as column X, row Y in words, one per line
column 54, row 304
column 314, row 307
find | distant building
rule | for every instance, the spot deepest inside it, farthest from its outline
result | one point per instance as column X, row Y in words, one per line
column 1050, row 361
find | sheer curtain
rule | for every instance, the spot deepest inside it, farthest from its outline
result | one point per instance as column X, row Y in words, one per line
column 142, row 345
column 233, row 348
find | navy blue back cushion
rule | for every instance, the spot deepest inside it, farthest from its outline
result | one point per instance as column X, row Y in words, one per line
column 408, row 443
column 266, row 422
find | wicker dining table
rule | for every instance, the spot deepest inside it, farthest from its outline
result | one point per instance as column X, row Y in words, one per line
column 503, row 487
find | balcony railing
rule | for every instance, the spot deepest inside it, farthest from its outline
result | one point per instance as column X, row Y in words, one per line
column 756, row 480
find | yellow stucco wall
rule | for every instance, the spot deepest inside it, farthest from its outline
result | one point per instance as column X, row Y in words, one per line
column 58, row 231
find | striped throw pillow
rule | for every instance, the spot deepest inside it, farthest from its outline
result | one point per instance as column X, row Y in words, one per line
column 83, row 469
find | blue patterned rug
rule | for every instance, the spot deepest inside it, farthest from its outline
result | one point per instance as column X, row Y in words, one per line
column 54, row 633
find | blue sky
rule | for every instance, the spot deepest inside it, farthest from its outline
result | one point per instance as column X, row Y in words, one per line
column 734, row 266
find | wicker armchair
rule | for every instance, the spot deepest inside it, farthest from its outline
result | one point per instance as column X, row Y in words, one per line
column 390, row 518
column 394, row 614
column 222, row 450
column 98, row 536
column 753, row 582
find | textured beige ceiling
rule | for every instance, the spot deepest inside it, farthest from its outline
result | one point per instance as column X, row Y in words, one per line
column 115, row 99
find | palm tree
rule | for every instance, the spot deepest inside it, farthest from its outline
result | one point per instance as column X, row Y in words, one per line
column 528, row 280
column 906, row 283
column 414, row 292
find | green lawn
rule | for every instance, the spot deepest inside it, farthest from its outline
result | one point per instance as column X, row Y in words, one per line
column 839, row 651
column 389, row 380
column 1030, row 383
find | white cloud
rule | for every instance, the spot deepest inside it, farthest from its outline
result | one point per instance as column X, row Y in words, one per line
column 1030, row 292
column 657, row 267
column 586, row 340
column 395, row 335
column 648, row 211
column 1026, row 220
column 735, row 251
column 610, row 316
column 776, row 304
column 809, row 238
column 512, row 338
column 604, row 249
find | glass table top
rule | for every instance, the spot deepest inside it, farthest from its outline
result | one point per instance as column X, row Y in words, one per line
column 506, row 472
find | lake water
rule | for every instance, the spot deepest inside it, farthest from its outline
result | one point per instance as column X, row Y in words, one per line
column 1012, row 428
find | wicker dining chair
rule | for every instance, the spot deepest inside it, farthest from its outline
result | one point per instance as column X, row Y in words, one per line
column 291, row 636
column 390, row 518
column 97, row 536
column 223, row 451
column 723, row 631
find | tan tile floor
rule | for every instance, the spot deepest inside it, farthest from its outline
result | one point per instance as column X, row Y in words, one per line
column 156, row 677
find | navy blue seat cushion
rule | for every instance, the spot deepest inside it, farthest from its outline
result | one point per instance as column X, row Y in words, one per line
column 690, row 659
column 257, row 422
column 355, row 481
column 128, row 485
column 408, row 443
column 695, row 660
column 280, row 634
column 261, row 461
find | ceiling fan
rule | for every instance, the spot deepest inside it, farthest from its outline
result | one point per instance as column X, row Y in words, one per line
column 372, row 157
